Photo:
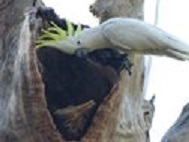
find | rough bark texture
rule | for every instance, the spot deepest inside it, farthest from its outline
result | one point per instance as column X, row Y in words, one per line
column 131, row 124
column 124, row 116
column 24, row 115
column 180, row 129
column 105, row 9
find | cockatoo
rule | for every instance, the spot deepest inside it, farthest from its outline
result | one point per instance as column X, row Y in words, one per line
column 128, row 35
column 61, row 29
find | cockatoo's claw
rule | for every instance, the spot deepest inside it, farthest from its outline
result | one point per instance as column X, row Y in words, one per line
column 81, row 53
column 128, row 68
column 127, row 65
column 106, row 57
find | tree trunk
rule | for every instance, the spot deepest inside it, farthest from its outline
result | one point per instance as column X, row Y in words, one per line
column 179, row 131
column 128, row 113
column 24, row 115
column 25, row 118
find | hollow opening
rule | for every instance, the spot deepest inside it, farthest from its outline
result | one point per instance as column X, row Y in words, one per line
column 74, row 89
column 75, row 86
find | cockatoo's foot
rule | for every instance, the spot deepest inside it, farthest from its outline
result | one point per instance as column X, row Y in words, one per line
column 81, row 53
column 127, row 65
column 106, row 57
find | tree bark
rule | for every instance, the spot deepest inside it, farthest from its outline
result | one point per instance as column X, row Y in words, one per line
column 24, row 115
column 179, row 131
column 122, row 117
column 128, row 115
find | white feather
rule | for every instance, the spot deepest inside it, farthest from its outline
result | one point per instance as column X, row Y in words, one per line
column 134, row 36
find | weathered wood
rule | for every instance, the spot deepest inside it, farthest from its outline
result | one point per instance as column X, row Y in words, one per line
column 24, row 115
column 121, row 117
column 179, row 132
column 105, row 9
column 129, row 113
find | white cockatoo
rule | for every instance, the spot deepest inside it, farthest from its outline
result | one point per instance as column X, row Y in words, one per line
column 128, row 35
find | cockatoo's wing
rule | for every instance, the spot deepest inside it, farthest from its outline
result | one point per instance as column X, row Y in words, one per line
column 137, row 36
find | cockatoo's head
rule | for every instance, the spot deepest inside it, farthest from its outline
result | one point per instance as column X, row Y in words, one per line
column 67, row 41
column 71, row 40
column 89, row 39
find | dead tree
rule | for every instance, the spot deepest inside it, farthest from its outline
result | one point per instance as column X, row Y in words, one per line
column 124, row 116
column 179, row 131
column 130, row 120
